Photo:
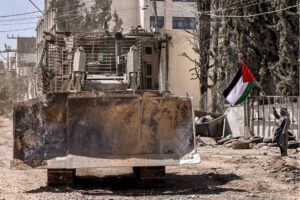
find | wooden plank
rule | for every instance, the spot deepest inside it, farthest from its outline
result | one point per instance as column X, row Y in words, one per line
column 269, row 123
column 60, row 176
column 292, row 116
column 298, row 117
column 252, row 116
column 150, row 176
column 258, row 119
column 275, row 105
column 264, row 120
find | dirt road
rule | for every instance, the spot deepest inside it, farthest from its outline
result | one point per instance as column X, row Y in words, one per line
column 223, row 174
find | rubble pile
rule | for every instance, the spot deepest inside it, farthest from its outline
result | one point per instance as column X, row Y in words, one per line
column 255, row 142
column 285, row 169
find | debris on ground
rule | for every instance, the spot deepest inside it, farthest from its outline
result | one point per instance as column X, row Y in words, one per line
column 256, row 139
column 204, row 119
column 203, row 141
column 255, row 142
column 224, row 173
column 286, row 168
column 293, row 144
column 240, row 144
column 267, row 140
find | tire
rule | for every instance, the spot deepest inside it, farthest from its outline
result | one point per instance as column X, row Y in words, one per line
column 256, row 139
column 292, row 138
column 293, row 144
column 290, row 133
column 222, row 141
column 229, row 141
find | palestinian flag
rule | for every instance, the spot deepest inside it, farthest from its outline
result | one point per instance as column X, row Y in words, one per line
column 240, row 87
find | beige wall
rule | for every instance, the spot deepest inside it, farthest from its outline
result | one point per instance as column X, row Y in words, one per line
column 180, row 82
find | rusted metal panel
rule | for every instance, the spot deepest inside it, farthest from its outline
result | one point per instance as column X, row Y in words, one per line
column 129, row 125
column 40, row 129
column 104, row 125
column 64, row 129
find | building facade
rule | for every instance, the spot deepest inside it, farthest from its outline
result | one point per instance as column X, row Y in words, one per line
column 172, row 14
column 25, row 56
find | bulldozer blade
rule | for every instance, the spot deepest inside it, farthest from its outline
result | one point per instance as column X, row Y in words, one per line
column 90, row 129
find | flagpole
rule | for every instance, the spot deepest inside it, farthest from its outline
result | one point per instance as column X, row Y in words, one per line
column 261, row 88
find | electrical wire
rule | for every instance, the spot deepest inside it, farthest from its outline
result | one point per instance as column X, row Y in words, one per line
column 75, row 16
column 253, row 15
column 20, row 14
column 25, row 29
column 20, row 19
column 35, row 6
column 18, row 23
column 221, row 10
column 238, row 16
column 239, row 7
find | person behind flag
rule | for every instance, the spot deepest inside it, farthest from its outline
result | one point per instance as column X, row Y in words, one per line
column 282, row 126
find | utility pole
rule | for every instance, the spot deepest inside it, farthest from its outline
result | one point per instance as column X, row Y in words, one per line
column 12, row 37
column 204, row 46
column 7, row 51
column 155, row 15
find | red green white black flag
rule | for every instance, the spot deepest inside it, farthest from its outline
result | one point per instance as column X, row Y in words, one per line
column 240, row 87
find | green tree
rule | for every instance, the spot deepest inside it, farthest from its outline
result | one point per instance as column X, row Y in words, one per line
column 69, row 15
column 118, row 22
column 98, row 16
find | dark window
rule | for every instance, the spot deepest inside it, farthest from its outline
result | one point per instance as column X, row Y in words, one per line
column 148, row 50
column 160, row 21
column 184, row 22
column 149, row 70
column 149, row 83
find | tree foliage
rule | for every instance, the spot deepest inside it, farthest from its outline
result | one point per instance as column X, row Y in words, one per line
column 118, row 22
column 69, row 14
column 13, row 88
column 268, row 44
column 98, row 16
column 77, row 16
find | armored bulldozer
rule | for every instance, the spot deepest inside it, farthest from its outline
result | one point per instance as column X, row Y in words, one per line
column 102, row 101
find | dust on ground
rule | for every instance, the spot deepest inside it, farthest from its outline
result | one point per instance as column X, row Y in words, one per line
column 223, row 174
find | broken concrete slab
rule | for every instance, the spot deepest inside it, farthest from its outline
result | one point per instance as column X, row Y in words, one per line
column 240, row 144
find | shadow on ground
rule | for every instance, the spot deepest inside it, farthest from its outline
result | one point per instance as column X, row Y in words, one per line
column 126, row 185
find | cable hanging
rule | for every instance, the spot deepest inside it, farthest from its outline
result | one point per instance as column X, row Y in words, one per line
column 237, row 16
column 20, row 14
column 25, row 29
column 20, row 19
